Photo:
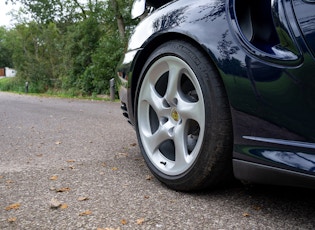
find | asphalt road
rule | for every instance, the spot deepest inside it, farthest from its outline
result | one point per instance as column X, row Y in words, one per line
column 75, row 164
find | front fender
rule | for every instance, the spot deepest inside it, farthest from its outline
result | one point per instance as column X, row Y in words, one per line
column 202, row 22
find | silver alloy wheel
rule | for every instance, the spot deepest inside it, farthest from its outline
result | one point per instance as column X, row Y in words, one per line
column 171, row 115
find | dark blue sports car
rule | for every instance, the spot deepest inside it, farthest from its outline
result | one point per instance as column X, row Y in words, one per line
column 223, row 89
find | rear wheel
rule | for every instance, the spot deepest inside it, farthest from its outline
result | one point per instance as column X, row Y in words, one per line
column 182, row 116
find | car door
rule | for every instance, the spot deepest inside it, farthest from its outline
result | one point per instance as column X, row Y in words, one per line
column 287, row 91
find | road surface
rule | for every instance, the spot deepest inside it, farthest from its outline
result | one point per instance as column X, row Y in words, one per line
column 75, row 164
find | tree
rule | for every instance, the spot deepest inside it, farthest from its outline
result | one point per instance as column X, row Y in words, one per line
column 120, row 11
column 37, row 54
column 5, row 51
column 46, row 11
column 69, row 44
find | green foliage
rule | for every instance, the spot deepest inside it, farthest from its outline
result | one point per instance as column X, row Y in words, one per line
column 104, row 65
column 47, row 11
column 82, row 42
column 12, row 84
column 5, row 49
column 36, row 54
column 68, row 46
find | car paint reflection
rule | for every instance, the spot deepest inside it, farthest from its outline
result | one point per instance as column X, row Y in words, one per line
column 298, row 160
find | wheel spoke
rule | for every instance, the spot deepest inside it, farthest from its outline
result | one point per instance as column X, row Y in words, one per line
column 173, row 79
column 156, row 139
column 181, row 152
column 152, row 98
column 191, row 110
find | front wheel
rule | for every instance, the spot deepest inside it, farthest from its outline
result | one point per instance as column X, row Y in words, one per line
column 182, row 116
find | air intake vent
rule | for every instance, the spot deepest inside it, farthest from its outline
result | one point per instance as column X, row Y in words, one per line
column 254, row 18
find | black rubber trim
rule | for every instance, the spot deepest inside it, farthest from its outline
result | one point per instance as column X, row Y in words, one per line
column 262, row 174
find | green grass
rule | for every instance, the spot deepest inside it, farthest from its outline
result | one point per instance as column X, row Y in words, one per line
column 11, row 84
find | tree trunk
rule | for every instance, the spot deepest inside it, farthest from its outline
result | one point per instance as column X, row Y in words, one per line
column 119, row 19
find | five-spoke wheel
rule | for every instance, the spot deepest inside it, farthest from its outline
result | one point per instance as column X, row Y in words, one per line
column 182, row 121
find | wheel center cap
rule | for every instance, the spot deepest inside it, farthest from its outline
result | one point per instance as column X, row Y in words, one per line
column 175, row 115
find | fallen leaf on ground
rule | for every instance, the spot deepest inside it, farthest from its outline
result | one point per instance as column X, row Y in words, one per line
column 121, row 155
column 85, row 213
column 245, row 214
column 13, row 206
column 140, row 221
column 66, row 189
column 58, row 142
column 9, row 181
column 82, row 198
column 148, row 177
column 104, row 164
column 12, row 219
column 146, row 197
column 70, row 161
column 54, row 203
column 133, row 144
column 64, row 206
column 114, row 168
column 123, row 221
column 55, row 177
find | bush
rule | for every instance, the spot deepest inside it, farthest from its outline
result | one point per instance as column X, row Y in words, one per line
column 12, row 84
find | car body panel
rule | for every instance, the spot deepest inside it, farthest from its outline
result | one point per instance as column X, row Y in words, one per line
column 271, row 90
column 304, row 12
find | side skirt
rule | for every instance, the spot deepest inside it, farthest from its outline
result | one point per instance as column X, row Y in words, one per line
column 262, row 174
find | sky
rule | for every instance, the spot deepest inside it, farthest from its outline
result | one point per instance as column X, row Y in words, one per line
column 5, row 20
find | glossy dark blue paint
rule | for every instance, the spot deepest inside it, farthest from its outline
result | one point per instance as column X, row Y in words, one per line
column 271, row 86
column 304, row 12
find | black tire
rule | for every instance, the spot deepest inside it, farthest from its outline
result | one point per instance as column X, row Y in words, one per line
column 183, row 121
